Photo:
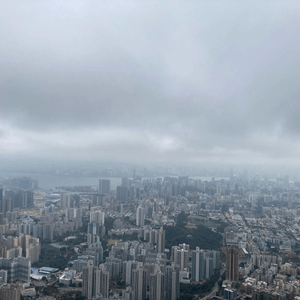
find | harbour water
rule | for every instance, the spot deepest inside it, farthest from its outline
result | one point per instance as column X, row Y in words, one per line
column 51, row 181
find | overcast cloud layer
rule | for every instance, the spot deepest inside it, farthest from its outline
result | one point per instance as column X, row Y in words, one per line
column 150, row 81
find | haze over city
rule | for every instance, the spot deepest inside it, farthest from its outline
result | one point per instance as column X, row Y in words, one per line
column 149, row 150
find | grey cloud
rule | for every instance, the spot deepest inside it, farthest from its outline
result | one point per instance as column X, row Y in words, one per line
column 206, row 75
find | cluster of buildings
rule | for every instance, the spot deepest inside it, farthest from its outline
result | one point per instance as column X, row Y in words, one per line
column 261, row 216
column 204, row 264
column 258, row 218
column 54, row 221
column 14, row 246
column 152, row 278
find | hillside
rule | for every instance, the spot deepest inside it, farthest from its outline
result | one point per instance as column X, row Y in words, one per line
column 200, row 236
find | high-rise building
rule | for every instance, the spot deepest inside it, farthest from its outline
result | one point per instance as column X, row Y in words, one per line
column 11, row 216
column 128, row 272
column 182, row 259
column 3, row 277
column 101, row 282
column 128, row 294
column 11, row 292
column 47, row 231
column 64, row 200
column 139, row 282
column 122, row 194
column 18, row 269
column 25, row 199
column 97, row 217
column 12, row 247
column 232, row 264
column 172, row 285
column 140, row 216
column 125, row 182
column 96, row 229
column 98, row 199
column 180, row 255
column 161, row 240
column 209, row 271
column 6, row 205
column 93, row 229
column 87, row 280
column 198, row 265
column 114, row 267
column 104, row 186
column 74, row 213
column 15, row 198
column 92, row 238
column 131, row 193
column 157, row 285
column 95, row 281
column 95, row 250
column 75, row 201
column 2, row 219
column 104, row 282
column 216, row 259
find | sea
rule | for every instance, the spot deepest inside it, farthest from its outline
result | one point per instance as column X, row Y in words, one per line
column 53, row 181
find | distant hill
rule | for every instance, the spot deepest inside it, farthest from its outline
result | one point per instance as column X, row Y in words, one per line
column 200, row 236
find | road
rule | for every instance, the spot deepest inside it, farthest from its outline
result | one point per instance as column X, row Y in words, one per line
column 215, row 288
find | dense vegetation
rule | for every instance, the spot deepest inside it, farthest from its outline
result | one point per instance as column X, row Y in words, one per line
column 126, row 237
column 57, row 293
column 78, row 240
column 200, row 236
column 55, row 257
column 188, row 291
column 108, row 223
column 222, row 226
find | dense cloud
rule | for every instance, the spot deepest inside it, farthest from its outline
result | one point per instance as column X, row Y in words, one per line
column 199, row 80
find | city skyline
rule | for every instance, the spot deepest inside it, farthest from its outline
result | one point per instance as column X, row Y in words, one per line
column 150, row 150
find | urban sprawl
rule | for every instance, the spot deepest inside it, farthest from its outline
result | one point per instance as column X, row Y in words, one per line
column 158, row 238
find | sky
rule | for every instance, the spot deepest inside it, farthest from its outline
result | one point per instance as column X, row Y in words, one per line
column 141, row 81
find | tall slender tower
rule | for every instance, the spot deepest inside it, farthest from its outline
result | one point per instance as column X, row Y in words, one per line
column 104, row 281
column 161, row 240
column 157, row 285
column 232, row 264
column 139, row 282
column 140, row 216
column 198, row 265
column 172, row 285
column 87, row 280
